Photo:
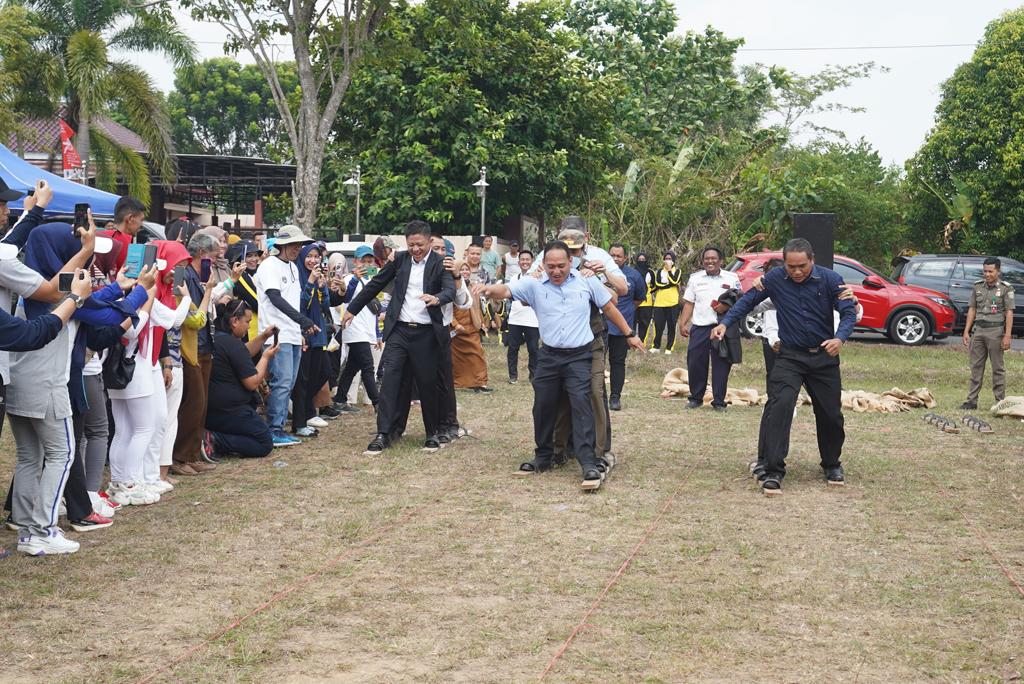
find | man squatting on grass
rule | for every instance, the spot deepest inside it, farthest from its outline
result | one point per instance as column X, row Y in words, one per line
column 805, row 296
column 562, row 299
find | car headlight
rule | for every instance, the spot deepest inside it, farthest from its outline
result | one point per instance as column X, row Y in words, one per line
column 943, row 301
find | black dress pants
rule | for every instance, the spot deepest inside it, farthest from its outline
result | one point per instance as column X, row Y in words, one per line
column 618, row 349
column 517, row 336
column 414, row 348
column 697, row 354
column 819, row 373
column 360, row 360
column 762, row 434
column 568, row 371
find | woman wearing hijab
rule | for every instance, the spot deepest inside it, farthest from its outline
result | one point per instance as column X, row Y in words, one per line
column 645, row 311
column 469, row 365
column 666, row 302
column 248, row 253
column 140, row 409
column 314, row 303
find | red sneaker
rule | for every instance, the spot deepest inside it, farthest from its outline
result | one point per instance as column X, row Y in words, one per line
column 95, row 521
column 110, row 502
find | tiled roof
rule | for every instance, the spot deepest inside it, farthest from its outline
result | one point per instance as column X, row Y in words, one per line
column 43, row 136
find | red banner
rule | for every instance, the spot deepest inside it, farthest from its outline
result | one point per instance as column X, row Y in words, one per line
column 72, row 162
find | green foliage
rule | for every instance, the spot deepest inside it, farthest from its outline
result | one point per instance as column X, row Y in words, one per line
column 966, row 183
column 29, row 79
column 452, row 85
column 222, row 107
column 80, row 38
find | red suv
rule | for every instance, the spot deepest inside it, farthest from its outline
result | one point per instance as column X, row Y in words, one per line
column 907, row 314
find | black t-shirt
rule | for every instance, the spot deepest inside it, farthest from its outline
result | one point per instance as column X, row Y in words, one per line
column 231, row 364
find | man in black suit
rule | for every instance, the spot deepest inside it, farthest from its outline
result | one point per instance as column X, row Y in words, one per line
column 414, row 331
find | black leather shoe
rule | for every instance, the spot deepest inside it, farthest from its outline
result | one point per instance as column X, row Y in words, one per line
column 431, row 444
column 968, row 406
column 482, row 390
column 614, row 404
column 721, row 409
column 694, row 404
column 835, row 476
column 379, row 444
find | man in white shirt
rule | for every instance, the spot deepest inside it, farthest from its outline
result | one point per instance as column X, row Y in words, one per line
column 510, row 267
column 279, row 290
column 700, row 316
column 413, row 333
column 522, row 324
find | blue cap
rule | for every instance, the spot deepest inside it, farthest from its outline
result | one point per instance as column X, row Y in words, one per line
column 363, row 251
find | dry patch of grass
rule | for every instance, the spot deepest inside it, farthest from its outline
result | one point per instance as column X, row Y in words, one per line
column 444, row 568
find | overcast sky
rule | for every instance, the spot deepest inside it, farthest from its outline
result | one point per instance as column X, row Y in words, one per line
column 900, row 104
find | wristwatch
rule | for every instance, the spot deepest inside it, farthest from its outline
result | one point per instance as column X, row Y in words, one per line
column 630, row 333
column 79, row 302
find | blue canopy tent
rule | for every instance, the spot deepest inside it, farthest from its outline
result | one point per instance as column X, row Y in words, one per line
column 20, row 175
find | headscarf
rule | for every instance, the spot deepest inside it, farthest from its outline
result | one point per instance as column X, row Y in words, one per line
column 105, row 265
column 172, row 253
column 48, row 248
column 338, row 264
column 320, row 299
column 642, row 266
column 221, row 269
column 233, row 239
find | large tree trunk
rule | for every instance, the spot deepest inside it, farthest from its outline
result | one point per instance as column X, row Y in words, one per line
column 82, row 142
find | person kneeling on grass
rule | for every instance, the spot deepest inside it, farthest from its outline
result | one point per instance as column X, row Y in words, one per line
column 562, row 298
column 232, row 425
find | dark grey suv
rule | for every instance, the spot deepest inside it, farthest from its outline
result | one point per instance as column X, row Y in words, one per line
column 954, row 275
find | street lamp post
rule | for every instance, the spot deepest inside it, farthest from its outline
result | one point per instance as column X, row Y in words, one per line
column 352, row 187
column 481, row 192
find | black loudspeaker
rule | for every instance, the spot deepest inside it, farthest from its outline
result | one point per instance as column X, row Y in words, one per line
column 820, row 231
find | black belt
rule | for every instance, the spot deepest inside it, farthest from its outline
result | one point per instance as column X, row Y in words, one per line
column 568, row 350
column 805, row 350
column 406, row 324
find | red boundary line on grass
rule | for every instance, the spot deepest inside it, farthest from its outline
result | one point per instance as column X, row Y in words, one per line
column 669, row 501
column 988, row 547
column 282, row 594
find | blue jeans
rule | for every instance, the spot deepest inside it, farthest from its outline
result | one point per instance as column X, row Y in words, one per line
column 284, row 368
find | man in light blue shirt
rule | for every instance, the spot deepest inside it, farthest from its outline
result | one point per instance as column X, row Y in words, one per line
column 561, row 299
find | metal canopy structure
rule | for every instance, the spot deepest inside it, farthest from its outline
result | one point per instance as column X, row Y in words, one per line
column 229, row 184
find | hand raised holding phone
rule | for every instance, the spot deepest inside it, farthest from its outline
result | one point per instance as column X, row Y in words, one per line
column 147, row 277
column 81, row 284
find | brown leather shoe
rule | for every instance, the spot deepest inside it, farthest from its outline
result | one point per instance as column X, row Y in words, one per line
column 184, row 469
column 200, row 467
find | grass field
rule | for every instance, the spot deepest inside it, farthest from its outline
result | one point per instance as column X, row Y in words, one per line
column 439, row 568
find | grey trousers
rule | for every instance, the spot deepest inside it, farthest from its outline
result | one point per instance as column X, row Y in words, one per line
column 96, row 427
column 45, row 449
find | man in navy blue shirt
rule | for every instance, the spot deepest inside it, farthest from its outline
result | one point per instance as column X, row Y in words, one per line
column 804, row 296
column 618, row 347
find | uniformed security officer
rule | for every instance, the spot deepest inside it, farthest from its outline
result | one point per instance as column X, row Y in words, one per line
column 991, row 313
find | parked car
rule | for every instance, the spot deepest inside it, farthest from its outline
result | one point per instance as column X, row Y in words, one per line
column 906, row 313
column 955, row 275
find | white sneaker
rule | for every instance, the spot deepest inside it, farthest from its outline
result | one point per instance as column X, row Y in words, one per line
column 316, row 422
column 131, row 494
column 160, row 486
column 52, row 544
column 100, row 506
column 653, row 350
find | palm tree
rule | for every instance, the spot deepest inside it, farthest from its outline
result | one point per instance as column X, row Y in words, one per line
column 82, row 35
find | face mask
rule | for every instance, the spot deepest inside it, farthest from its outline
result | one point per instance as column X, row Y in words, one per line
column 576, row 261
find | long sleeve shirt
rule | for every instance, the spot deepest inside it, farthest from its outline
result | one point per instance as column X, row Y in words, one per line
column 804, row 309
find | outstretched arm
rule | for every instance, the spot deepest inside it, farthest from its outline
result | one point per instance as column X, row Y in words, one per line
column 615, row 316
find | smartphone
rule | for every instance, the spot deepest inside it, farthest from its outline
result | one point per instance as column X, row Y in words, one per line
column 449, row 249
column 81, row 218
column 276, row 333
column 372, row 271
column 179, row 276
column 139, row 257
column 205, row 269
column 64, row 281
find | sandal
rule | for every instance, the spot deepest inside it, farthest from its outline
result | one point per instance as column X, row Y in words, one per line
column 592, row 479
column 533, row 467
column 771, row 486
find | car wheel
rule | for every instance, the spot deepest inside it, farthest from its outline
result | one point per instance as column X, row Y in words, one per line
column 753, row 325
column 910, row 327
